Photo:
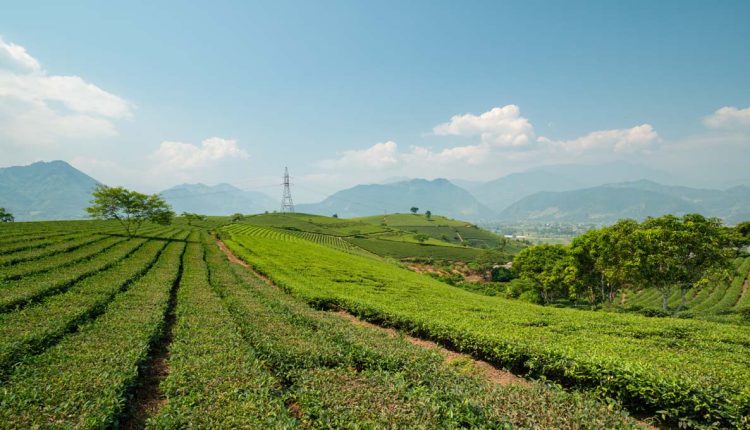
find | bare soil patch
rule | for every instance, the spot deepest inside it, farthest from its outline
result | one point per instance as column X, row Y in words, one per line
column 233, row 258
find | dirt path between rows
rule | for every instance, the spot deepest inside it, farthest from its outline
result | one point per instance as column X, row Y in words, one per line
column 479, row 367
column 230, row 255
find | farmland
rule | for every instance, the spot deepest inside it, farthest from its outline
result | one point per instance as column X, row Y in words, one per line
column 665, row 367
column 89, row 317
column 720, row 301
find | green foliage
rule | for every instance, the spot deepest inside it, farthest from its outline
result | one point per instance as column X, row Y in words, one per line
column 192, row 217
column 129, row 208
column 421, row 238
column 414, row 210
column 667, row 366
column 548, row 267
column 6, row 216
column 428, row 214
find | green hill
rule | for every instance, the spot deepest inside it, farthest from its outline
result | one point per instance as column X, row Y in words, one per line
column 399, row 236
column 52, row 190
column 438, row 196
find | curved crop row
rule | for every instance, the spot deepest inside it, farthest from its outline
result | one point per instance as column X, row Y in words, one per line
column 83, row 381
column 663, row 366
column 323, row 357
column 214, row 380
column 58, row 261
column 36, row 327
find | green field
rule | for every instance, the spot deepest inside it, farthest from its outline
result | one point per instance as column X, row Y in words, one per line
column 79, row 337
column 444, row 229
column 687, row 371
column 392, row 236
column 722, row 301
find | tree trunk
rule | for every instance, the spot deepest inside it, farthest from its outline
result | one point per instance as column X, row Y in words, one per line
column 664, row 298
column 683, row 299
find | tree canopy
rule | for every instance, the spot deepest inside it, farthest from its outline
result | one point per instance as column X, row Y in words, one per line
column 191, row 217
column 668, row 253
column 6, row 216
column 130, row 208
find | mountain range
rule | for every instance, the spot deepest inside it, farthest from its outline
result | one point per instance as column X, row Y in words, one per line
column 44, row 191
column 439, row 196
column 565, row 193
column 638, row 199
column 222, row 199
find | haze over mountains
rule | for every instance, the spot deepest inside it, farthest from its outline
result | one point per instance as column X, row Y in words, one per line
column 565, row 193
column 439, row 196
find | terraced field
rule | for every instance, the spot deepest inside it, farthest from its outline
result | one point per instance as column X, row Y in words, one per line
column 162, row 331
column 722, row 301
column 689, row 372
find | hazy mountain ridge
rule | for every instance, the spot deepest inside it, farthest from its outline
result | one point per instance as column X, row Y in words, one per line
column 221, row 199
column 52, row 190
column 56, row 190
column 500, row 193
column 439, row 196
column 638, row 199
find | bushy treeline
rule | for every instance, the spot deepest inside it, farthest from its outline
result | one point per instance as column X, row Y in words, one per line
column 669, row 253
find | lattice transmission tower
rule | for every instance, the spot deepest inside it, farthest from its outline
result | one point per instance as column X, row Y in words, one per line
column 287, row 205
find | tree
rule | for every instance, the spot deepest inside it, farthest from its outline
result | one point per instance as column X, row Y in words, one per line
column 421, row 238
column 681, row 253
column 428, row 214
column 335, row 215
column 6, row 216
column 193, row 217
column 605, row 261
column 129, row 208
column 549, row 267
column 238, row 217
column 414, row 209
column 742, row 231
column 489, row 262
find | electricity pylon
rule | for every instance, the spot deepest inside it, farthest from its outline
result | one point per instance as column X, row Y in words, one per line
column 287, row 205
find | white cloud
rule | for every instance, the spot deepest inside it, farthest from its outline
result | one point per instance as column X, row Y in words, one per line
column 379, row 156
column 506, row 142
column 500, row 126
column 41, row 109
column 15, row 57
column 181, row 156
column 618, row 141
column 728, row 117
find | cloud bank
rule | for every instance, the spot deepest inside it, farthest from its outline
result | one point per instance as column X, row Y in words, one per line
column 40, row 109
column 503, row 139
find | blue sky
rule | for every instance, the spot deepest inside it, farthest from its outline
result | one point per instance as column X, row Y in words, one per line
column 151, row 94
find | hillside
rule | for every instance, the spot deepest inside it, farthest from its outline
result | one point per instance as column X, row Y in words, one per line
column 640, row 199
column 438, row 196
column 45, row 191
column 445, row 229
column 222, row 199
column 500, row 193
column 374, row 237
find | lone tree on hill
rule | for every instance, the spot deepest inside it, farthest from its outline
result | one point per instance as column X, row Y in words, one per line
column 6, row 216
column 193, row 217
column 129, row 208
column 414, row 209
column 238, row 217
column 428, row 214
